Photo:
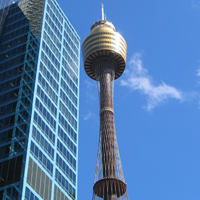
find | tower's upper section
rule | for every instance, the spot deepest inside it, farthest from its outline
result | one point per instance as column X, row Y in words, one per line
column 104, row 43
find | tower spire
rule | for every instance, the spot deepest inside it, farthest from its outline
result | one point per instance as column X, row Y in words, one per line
column 102, row 12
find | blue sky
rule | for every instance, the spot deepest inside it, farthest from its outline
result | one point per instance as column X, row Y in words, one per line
column 156, row 100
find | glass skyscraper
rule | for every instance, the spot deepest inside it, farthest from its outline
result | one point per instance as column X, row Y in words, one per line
column 39, row 102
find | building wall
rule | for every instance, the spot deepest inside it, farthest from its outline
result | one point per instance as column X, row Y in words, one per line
column 4, row 7
column 49, row 154
column 18, row 65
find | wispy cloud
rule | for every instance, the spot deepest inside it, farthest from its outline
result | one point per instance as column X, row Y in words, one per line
column 90, row 84
column 198, row 83
column 139, row 79
column 90, row 91
column 198, row 72
column 88, row 115
column 195, row 4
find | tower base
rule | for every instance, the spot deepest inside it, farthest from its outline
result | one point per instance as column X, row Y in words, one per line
column 109, row 188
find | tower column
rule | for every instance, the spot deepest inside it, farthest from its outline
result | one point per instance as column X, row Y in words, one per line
column 105, row 74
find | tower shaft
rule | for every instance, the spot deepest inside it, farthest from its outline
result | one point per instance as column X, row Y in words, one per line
column 105, row 74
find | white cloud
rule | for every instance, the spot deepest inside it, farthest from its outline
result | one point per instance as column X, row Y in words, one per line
column 139, row 79
column 198, row 72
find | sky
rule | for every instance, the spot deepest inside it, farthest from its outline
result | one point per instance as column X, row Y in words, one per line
column 156, row 100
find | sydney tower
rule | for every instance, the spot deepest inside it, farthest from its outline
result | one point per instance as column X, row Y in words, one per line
column 104, row 55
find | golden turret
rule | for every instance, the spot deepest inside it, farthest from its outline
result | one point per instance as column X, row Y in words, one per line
column 104, row 42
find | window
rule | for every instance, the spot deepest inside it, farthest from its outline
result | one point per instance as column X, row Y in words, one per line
column 68, row 128
column 68, row 115
column 45, row 129
column 65, row 184
column 66, row 154
column 69, row 92
column 64, row 137
column 66, row 169
column 45, row 114
column 42, row 159
column 43, row 142
column 36, row 177
column 48, row 89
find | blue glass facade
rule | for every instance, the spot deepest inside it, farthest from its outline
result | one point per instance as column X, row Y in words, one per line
column 4, row 7
column 39, row 103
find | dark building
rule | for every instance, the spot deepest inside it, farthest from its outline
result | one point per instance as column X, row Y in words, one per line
column 104, row 55
column 39, row 102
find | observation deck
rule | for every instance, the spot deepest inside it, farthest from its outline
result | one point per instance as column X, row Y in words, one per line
column 103, row 43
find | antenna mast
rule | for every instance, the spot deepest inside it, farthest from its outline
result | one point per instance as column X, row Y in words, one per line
column 102, row 12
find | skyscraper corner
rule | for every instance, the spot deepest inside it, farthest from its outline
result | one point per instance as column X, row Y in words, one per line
column 104, row 56
column 39, row 102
